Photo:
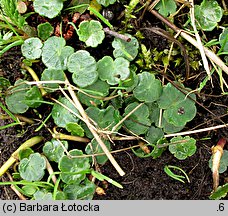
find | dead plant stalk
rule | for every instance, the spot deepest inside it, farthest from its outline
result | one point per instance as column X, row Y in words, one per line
column 94, row 132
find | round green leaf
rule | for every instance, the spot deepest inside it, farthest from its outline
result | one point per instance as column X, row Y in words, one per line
column 84, row 68
column 52, row 75
column 181, row 113
column 113, row 71
column 16, row 97
column 48, row 8
column 83, row 191
column 31, row 48
column 32, row 168
column 223, row 162
column 208, row 14
column 179, row 109
column 166, row 7
column 54, row 150
column 127, row 50
column 61, row 115
column 148, row 89
column 69, row 166
column 55, row 54
column 91, row 32
column 33, row 96
column 182, row 150
column 45, row 30
column 138, row 122
column 75, row 129
column 95, row 148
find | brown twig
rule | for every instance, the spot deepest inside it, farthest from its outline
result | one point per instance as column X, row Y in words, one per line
column 165, row 34
column 94, row 132
column 117, row 35
column 19, row 194
column 212, row 56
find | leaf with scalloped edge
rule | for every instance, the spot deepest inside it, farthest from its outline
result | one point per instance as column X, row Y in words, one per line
column 48, row 8
column 69, row 166
column 91, row 32
column 113, row 71
column 55, row 53
column 84, row 68
column 31, row 48
column 148, row 89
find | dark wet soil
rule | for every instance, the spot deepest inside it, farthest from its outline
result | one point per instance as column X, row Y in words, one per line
column 145, row 177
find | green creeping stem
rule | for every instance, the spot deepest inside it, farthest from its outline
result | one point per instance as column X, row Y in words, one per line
column 16, row 43
column 9, row 113
column 174, row 176
column 101, row 177
column 27, row 144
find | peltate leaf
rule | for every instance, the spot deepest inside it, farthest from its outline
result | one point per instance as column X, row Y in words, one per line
column 166, row 7
column 179, row 109
column 48, row 8
column 127, row 50
column 91, row 32
column 55, row 54
column 84, row 68
column 113, row 71
column 42, row 195
column 45, row 30
column 32, row 168
column 148, row 89
column 208, row 14
column 70, row 166
column 105, row 118
column 220, row 192
column 31, row 48
column 182, row 147
column 54, row 150
column 16, row 97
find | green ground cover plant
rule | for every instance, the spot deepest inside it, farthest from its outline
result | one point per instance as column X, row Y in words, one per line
column 96, row 101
